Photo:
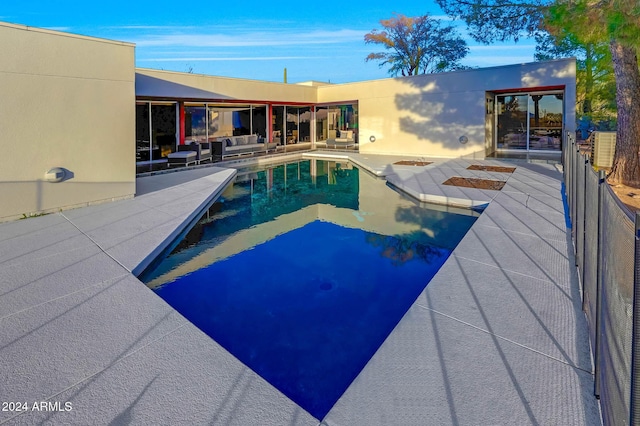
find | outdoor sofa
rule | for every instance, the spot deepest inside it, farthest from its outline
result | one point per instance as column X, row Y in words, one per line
column 228, row 146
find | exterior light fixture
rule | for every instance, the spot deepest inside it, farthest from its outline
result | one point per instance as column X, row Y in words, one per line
column 463, row 139
column 58, row 174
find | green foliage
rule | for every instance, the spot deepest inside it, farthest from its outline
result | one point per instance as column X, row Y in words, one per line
column 593, row 21
column 596, row 86
column 417, row 45
column 549, row 46
column 498, row 20
column 591, row 26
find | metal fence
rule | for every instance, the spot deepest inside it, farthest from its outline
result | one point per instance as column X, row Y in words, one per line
column 606, row 238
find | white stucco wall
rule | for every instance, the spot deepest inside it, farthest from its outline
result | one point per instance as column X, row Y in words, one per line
column 67, row 101
column 426, row 115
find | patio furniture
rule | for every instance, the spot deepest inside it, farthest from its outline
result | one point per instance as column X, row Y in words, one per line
column 241, row 145
column 193, row 153
column 202, row 149
column 345, row 140
column 182, row 158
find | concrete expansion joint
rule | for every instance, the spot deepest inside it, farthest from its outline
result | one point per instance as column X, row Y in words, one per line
column 570, row 364
column 95, row 242
column 83, row 289
column 511, row 271
column 528, row 234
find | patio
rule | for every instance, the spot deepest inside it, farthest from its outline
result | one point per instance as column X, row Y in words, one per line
column 498, row 336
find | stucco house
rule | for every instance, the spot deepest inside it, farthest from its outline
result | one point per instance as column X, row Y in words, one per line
column 78, row 116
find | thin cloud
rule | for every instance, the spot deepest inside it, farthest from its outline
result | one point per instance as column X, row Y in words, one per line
column 498, row 60
column 240, row 25
column 148, row 27
column 494, row 48
column 252, row 39
column 67, row 29
column 246, row 58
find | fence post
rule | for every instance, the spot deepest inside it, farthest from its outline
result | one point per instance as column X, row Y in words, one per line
column 585, row 164
column 570, row 184
column 599, row 266
column 572, row 211
column 574, row 228
column 635, row 337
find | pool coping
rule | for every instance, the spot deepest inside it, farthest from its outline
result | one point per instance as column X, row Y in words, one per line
column 67, row 281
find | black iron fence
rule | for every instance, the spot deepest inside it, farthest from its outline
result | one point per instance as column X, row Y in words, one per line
column 606, row 236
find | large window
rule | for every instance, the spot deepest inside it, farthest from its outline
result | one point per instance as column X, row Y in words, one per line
column 278, row 125
column 331, row 119
column 298, row 124
column 156, row 130
column 195, row 123
column 291, row 124
column 236, row 120
column 530, row 121
column 143, row 132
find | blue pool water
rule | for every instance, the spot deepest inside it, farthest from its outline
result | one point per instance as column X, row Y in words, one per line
column 288, row 273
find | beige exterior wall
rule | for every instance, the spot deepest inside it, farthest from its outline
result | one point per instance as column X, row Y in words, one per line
column 422, row 115
column 67, row 101
column 426, row 115
column 176, row 85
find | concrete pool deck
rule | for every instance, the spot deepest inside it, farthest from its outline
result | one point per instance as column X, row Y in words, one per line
column 497, row 337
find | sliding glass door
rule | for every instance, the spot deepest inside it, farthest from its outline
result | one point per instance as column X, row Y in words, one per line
column 512, row 121
column 156, row 130
column 236, row 120
column 331, row 119
column 530, row 121
column 545, row 121
column 195, row 123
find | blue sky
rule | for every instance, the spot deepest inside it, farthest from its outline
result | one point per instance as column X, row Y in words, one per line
column 319, row 40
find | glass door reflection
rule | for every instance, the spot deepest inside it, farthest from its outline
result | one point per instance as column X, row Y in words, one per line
column 545, row 122
column 512, row 121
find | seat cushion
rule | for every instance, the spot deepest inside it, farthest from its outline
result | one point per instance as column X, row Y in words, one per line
column 183, row 154
column 240, row 148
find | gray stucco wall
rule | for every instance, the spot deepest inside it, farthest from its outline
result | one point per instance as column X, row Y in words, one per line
column 67, row 101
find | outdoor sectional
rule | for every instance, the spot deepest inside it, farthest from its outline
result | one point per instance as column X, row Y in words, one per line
column 239, row 145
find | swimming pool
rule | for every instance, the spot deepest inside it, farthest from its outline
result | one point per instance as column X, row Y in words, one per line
column 302, row 270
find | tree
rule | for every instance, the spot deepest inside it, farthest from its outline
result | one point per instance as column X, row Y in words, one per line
column 614, row 21
column 596, row 86
column 497, row 20
column 417, row 45
column 618, row 22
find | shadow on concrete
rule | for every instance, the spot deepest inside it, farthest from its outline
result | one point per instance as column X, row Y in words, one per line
column 126, row 417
